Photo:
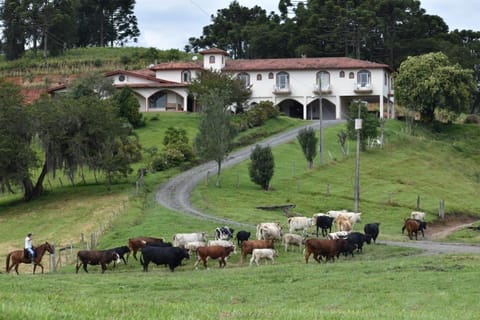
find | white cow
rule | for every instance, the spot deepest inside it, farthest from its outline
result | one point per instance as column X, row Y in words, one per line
column 335, row 213
column 223, row 243
column 338, row 235
column 299, row 223
column 418, row 215
column 181, row 239
column 292, row 239
column 258, row 254
column 194, row 245
column 354, row 217
column 269, row 231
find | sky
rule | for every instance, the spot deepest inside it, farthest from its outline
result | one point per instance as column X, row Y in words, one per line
column 167, row 24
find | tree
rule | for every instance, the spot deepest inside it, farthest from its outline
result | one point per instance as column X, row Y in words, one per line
column 261, row 167
column 16, row 156
column 308, row 142
column 370, row 123
column 428, row 82
column 128, row 107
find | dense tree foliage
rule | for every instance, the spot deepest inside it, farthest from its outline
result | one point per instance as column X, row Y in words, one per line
column 308, row 142
column 128, row 107
column 57, row 25
column 370, row 123
column 428, row 82
column 261, row 167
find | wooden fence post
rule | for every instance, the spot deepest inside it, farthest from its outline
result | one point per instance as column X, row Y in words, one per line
column 52, row 259
column 441, row 209
column 418, row 202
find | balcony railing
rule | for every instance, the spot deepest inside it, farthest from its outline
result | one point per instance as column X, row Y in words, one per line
column 363, row 88
column 282, row 90
column 326, row 89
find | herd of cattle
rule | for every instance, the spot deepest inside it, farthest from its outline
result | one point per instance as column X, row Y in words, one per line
column 332, row 244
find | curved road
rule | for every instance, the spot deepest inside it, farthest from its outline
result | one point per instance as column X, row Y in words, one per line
column 175, row 193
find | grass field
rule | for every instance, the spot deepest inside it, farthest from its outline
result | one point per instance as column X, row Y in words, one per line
column 381, row 283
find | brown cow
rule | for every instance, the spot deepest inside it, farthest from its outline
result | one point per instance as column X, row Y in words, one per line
column 413, row 227
column 96, row 257
column 138, row 243
column 213, row 252
column 322, row 247
column 249, row 245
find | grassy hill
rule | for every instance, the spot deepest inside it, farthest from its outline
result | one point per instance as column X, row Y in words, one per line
column 382, row 283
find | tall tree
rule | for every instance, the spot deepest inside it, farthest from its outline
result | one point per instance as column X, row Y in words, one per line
column 427, row 82
column 262, row 165
column 13, row 13
column 308, row 142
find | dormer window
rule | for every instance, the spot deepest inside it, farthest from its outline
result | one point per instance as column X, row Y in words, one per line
column 186, row 76
column 211, row 59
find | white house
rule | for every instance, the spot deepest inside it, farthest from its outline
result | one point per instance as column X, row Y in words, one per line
column 295, row 85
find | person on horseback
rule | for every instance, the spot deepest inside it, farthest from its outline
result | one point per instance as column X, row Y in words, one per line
column 29, row 246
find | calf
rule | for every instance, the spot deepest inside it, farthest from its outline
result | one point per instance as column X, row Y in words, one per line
column 325, row 224
column 292, row 239
column 135, row 244
column 258, row 254
column 242, row 236
column 171, row 256
column 299, row 223
column 414, row 226
column 213, row 252
column 343, row 223
column 121, row 251
column 372, row 229
column 96, row 257
column 249, row 245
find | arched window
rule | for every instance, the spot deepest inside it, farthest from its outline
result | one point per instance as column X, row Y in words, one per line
column 270, row 75
column 259, row 77
column 323, row 80
column 363, row 79
column 245, row 78
column 351, row 75
column 211, row 59
column 158, row 101
column 186, row 77
column 342, row 74
column 282, row 81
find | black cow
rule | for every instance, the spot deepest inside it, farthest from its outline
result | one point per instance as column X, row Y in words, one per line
column 356, row 239
column 372, row 229
column 159, row 244
column 96, row 257
column 171, row 256
column 242, row 236
column 121, row 251
column 324, row 223
column 223, row 233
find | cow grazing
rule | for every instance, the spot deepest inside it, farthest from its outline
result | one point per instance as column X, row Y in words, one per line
column 249, row 245
column 414, row 226
column 372, row 229
column 213, row 252
column 96, row 257
column 299, row 223
column 357, row 239
column 267, row 254
column 322, row 248
column 171, row 256
column 242, row 236
column 223, row 233
column 325, row 224
column 137, row 243
column 269, row 231
column 343, row 223
column 181, row 239
column 417, row 215
column 121, row 251
column 291, row 239
column 338, row 235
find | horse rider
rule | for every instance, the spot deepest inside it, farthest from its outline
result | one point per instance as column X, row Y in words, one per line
column 29, row 247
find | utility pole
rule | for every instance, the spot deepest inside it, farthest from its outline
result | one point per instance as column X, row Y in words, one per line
column 320, row 118
column 358, row 127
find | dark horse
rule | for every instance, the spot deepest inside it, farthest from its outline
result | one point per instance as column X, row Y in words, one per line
column 18, row 256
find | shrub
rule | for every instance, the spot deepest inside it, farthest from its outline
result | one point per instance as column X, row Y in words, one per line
column 472, row 118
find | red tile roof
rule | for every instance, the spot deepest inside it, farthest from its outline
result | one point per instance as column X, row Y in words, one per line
column 214, row 51
column 300, row 64
column 197, row 65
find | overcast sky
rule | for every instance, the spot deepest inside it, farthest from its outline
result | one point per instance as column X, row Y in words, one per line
column 168, row 24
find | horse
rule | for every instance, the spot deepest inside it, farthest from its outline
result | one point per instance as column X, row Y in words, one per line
column 18, row 256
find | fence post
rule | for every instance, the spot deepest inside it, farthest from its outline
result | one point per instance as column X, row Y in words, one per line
column 52, row 259
column 418, row 202
column 328, row 189
column 441, row 209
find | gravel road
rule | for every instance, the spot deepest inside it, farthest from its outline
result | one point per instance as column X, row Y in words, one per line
column 175, row 193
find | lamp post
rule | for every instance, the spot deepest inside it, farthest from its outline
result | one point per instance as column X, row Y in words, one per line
column 358, row 127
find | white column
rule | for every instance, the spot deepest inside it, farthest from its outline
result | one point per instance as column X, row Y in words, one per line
column 305, row 108
column 381, row 107
column 338, row 108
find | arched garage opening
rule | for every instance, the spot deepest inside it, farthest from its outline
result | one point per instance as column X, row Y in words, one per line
column 165, row 100
column 328, row 109
column 291, row 108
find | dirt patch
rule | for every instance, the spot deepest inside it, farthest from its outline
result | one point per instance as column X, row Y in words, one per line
column 441, row 228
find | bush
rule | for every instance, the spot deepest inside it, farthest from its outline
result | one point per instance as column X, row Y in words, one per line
column 261, row 166
column 472, row 118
